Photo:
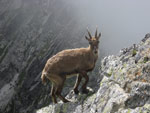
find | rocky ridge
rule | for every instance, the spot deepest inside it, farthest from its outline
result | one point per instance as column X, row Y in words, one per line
column 125, row 87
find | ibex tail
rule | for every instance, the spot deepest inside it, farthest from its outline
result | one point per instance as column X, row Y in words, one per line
column 43, row 78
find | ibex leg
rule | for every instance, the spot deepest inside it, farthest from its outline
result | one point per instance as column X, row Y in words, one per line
column 56, row 80
column 84, row 86
column 59, row 89
column 78, row 80
column 53, row 93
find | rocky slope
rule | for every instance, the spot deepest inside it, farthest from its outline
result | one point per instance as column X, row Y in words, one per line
column 125, row 87
column 31, row 31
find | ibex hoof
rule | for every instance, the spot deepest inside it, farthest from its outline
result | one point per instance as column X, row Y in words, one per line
column 85, row 91
column 55, row 102
column 65, row 101
column 76, row 91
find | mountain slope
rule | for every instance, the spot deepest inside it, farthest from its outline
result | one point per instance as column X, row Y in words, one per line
column 31, row 31
column 125, row 87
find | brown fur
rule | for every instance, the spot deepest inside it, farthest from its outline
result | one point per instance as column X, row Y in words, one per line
column 68, row 62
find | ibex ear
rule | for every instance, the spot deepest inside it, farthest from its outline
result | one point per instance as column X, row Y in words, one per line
column 98, row 36
column 87, row 38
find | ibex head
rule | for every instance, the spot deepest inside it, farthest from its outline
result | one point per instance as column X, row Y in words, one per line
column 93, row 41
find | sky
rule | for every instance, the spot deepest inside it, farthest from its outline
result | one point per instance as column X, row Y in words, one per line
column 121, row 22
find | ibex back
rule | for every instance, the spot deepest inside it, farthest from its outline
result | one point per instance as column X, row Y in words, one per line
column 72, row 61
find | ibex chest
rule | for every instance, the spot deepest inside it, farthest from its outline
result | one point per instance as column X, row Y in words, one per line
column 92, row 62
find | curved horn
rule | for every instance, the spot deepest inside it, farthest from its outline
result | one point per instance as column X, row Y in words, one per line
column 89, row 33
column 99, row 36
column 96, row 33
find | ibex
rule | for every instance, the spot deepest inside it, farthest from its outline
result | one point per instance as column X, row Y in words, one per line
column 64, row 64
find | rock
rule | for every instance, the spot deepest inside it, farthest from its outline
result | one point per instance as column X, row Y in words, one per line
column 125, row 87
column 146, row 37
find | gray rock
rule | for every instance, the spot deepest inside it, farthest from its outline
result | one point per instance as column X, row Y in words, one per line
column 125, row 87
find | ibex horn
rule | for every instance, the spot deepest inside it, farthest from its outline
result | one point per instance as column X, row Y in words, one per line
column 96, row 33
column 99, row 35
column 89, row 33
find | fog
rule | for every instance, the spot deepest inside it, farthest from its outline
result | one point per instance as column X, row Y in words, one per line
column 122, row 22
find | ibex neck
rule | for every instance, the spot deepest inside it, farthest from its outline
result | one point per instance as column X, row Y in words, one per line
column 90, row 47
column 93, row 50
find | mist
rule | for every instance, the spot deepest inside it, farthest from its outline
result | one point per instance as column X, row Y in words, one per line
column 122, row 22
